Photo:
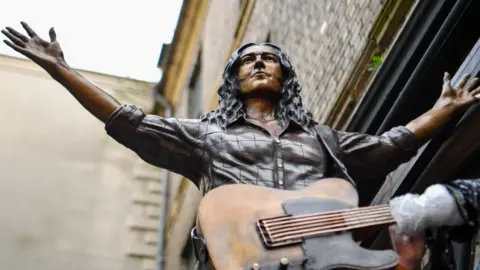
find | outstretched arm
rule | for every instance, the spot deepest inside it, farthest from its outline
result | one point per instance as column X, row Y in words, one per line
column 49, row 56
column 367, row 156
column 167, row 143
column 451, row 100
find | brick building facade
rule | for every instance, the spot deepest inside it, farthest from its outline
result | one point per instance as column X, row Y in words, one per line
column 322, row 38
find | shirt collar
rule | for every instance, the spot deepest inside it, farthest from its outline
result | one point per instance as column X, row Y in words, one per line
column 285, row 124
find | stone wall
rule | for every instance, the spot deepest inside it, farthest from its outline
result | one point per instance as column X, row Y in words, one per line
column 72, row 198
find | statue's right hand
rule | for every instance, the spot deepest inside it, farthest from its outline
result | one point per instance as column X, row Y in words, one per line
column 46, row 54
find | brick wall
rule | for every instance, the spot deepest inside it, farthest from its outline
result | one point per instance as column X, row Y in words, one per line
column 323, row 38
column 75, row 199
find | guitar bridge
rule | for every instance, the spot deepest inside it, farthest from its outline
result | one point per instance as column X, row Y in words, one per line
column 268, row 239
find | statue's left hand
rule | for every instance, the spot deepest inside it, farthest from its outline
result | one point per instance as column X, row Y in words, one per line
column 463, row 95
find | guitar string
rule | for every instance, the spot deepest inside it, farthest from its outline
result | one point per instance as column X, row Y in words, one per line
column 286, row 219
column 324, row 218
column 279, row 218
column 383, row 214
column 330, row 226
column 328, row 221
column 350, row 227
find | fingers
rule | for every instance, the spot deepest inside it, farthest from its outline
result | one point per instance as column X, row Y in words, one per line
column 446, row 81
column 446, row 77
column 476, row 93
column 29, row 30
column 16, row 48
column 14, row 39
column 53, row 35
column 396, row 235
column 401, row 238
column 393, row 235
column 393, row 232
column 17, row 34
column 471, row 85
column 464, row 81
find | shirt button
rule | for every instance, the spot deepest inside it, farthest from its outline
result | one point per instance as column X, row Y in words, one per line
column 280, row 165
column 276, row 140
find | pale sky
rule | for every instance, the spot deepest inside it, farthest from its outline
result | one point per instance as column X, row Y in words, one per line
column 116, row 37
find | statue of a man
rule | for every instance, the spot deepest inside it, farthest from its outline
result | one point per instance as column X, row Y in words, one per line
column 260, row 134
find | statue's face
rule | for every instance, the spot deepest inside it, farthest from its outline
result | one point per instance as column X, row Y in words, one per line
column 260, row 69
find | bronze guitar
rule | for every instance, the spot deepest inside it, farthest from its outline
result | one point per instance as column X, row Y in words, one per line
column 250, row 227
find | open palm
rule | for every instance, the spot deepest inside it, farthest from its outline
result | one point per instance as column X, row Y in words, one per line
column 464, row 94
column 42, row 52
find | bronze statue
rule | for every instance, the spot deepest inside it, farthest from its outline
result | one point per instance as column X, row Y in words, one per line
column 260, row 134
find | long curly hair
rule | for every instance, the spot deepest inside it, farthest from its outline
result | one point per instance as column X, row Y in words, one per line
column 230, row 108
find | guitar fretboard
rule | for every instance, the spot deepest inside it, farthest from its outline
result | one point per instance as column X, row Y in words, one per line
column 286, row 230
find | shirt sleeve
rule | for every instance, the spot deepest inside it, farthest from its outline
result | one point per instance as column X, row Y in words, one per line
column 467, row 196
column 367, row 156
column 171, row 144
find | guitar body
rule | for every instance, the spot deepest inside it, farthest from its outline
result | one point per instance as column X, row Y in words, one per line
column 228, row 216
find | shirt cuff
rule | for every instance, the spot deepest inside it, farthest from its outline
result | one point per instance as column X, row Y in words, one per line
column 404, row 138
column 125, row 116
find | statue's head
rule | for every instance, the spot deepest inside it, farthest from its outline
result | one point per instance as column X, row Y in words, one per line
column 259, row 70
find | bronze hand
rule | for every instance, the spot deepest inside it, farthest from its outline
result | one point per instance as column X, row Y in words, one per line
column 452, row 99
column 461, row 96
column 49, row 56
column 44, row 53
